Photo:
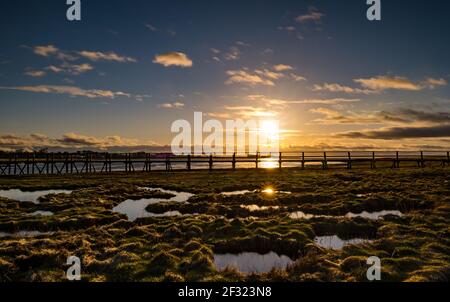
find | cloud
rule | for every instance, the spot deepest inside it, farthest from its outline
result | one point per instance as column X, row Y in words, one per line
column 341, row 88
column 35, row 73
column 233, row 54
column 45, row 51
column 432, row 83
column 297, row 77
column 151, row 27
column 69, row 90
column 375, row 85
column 75, row 142
column 243, row 76
column 400, row 133
column 313, row 15
column 402, row 116
column 251, row 112
column 175, row 105
column 282, row 102
column 270, row 74
column 72, row 69
column 381, row 83
column 173, row 59
column 282, row 67
column 109, row 56
column 51, row 50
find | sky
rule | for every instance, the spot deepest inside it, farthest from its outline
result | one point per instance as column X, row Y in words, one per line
column 118, row 79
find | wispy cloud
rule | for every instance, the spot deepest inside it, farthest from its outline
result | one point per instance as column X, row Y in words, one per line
column 313, row 15
column 102, row 56
column 72, row 142
column 402, row 116
column 268, row 101
column 178, row 59
column 69, row 90
column 35, row 73
column 381, row 83
column 174, row 105
column 250, row 112
column 340, row 88
column 245, row 77
column 282, row 67
column 400, row 133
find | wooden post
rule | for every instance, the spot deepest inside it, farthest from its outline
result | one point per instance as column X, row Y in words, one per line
column 234, row 161
column 15, row 163
column 303, row 160
column 422, row 162
column 33, row 163
column 325, row 161
column 257, row 160
column 448, row 158
column 373, row 162
column 28, row 164
column 211, row 162
column 398, row 159
column 280, row 160
column 349, row 164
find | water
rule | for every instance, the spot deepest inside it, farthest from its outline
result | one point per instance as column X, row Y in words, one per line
column 267, row 191
column 135, row 209
column 256, row 208
column 42, row 213
column 374, row 215
column 24, row 234
column 252, row 262
column 179, row 196
column 233, row 193
column 32, row 196
column 336, row 243
column 367, row 215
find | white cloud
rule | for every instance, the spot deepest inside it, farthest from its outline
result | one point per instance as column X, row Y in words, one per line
column 282, row 67
column 244, row 77
column 69, row 90
column 109, row 56
column 175, row 105
column 173, row 59
column 36, row 73
column 313, row 15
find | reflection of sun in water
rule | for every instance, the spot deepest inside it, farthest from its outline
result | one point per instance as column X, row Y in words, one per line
column 269, row 163
column 268, row 190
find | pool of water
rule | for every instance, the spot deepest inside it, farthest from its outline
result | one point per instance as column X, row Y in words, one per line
column 265, row 191
column 42, row 213
column 32, row 196
column 336, row 243
column 374, row 215
column 367, row 215
column 256, row 208
column 135, row 209
column 24, row 234
column 252, row 262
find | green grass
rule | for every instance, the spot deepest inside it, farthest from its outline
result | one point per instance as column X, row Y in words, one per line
column 414, row 247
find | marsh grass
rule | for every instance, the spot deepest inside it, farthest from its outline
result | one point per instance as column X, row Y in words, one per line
column 414, row 247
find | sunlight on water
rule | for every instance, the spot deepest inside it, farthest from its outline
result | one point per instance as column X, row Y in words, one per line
column 135, row 209
column 336, row 243
column 256, row 208
column 24, row 234
column 252, row 262
column 33, row 196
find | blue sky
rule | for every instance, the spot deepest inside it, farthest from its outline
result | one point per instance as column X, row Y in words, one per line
column 123, row 74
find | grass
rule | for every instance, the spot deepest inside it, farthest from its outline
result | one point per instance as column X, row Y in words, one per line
column 415, row 247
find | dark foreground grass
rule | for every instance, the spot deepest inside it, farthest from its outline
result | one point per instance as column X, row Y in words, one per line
column 415, row 247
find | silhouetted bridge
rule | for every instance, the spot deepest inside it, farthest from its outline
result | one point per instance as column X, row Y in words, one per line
column 66, row 163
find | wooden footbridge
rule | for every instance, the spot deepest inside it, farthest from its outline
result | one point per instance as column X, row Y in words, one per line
column 65, row 163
